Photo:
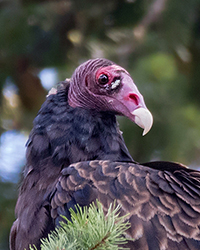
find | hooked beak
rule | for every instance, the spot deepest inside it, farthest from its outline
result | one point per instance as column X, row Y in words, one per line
column 143, row 118
column 133, row 104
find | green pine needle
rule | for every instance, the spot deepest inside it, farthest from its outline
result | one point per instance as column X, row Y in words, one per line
column 89, row 229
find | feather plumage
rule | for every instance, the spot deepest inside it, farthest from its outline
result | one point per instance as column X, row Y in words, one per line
column 76, row 154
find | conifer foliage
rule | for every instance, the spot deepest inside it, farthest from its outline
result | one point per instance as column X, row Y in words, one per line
column 89, row 229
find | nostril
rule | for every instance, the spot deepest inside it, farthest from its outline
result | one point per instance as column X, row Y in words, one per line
column 134, row 98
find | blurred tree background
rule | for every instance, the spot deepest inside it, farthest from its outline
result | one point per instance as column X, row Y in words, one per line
column 42, row 42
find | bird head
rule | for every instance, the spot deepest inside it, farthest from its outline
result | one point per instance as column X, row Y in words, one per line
column 105, row 86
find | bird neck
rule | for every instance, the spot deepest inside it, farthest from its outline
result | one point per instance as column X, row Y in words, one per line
column 96, row 135
column 67, row 135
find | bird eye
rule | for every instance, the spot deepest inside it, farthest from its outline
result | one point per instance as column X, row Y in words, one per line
column 103, row 79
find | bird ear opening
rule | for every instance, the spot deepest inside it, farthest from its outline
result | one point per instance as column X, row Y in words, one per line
column 86, row 81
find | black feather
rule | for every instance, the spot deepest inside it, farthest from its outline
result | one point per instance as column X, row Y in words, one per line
column 77, row 155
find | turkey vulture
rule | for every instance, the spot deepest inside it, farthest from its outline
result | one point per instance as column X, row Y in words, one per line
column 76, row 154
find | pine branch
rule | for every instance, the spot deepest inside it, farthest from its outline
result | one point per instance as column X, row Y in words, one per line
column 89, row 229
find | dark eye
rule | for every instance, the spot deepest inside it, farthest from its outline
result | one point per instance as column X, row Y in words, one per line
column 103, row 79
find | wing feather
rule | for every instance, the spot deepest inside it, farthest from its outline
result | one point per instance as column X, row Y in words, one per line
column 163, row 206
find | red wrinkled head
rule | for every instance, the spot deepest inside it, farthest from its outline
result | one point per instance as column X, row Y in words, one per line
column 104, row 86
